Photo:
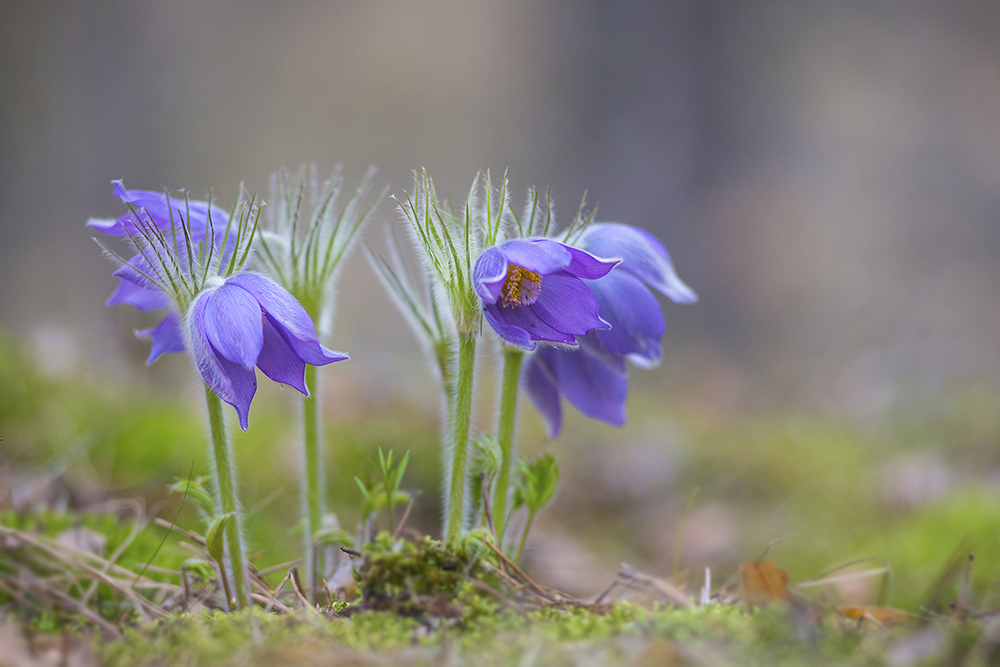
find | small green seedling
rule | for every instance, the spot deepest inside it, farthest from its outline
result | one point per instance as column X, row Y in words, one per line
column 385, row 493
column 534, row 488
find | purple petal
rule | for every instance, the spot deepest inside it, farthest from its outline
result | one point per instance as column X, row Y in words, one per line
column 489, row 273
column 234, row 325
column 230, row 382
column 568, row 305
column 138, row 270
column 506, row 320
column 592, row 387
column 291, row 319
column 512, row 333
column 642, row 255
column 279, row 362
column 592, row 345
column 585, row 265
column 539, row 255
column 161, row 210
column 167, row 337
column 541, row 386
column 634, row 314
column 143, row 298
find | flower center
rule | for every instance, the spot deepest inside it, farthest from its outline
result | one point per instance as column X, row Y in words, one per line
column 521, row 287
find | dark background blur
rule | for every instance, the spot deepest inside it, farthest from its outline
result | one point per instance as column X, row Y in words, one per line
column 826, row 175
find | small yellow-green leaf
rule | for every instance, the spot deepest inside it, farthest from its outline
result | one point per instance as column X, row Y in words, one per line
column 216, row 531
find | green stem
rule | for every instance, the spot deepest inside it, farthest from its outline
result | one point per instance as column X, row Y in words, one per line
column 524, row 537
column 225, row 486
column 505, row 436
column 461, row 416
column 312, row 490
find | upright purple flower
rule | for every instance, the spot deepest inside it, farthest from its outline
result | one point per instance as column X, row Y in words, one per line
column 594, row 377
column 533, row 290
column 166, row 214
column 249, row 320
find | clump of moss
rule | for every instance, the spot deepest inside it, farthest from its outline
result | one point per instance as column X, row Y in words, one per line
column 421, row 578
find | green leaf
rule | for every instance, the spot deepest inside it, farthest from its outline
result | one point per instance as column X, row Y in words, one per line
column 199, row 567
column 332, row 537
column 216, row 530
column 536, row 484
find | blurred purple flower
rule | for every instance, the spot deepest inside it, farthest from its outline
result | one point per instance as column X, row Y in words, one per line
column 248, row 321
column 532, row 291
column 594, row 377
column 165, row 214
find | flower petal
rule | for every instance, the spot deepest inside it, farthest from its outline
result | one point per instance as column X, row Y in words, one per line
column 512, row 333
column 233, row 384
column 506, row 320
column 143, row 298
column 567, row 305
column 279, row 362
column 538, row 380
column 283, row 311
column 539, row 255
column 162, row 210
column 167, row 337
column 234, row 325
column 634, row 314
column 593, row 388
column 643, row 256
column 585, row 265
column 489, row 274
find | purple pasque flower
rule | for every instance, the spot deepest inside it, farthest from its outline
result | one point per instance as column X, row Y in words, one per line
column 533, row 290
column 594, row 377
column 249, row 320
column 204, row 221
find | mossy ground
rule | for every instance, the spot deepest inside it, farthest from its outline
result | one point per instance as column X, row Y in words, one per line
column 827, row 486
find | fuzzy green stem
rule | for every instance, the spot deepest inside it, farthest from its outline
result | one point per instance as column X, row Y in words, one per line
column 227, row 501
column 312, row 489
column 461, row 417
column 505, row 436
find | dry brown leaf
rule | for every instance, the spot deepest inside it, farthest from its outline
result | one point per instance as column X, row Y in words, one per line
column 883, row 616
column 762, row 582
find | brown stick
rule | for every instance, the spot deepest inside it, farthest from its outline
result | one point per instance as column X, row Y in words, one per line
column 406, row 515
column 541, row 591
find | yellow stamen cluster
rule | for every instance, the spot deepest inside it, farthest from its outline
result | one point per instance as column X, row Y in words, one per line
column 521, row 287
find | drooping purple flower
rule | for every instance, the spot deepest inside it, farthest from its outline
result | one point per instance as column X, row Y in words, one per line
column 166, row 214
column 594, row 377
column 532, row 290
column 249, row 320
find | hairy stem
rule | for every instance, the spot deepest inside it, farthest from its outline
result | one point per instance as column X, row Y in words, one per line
column 505, row 436
column 227, row 501
column 461, row 416
column 312, row 488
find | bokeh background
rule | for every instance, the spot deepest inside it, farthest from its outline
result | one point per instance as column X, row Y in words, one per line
column 825, row 175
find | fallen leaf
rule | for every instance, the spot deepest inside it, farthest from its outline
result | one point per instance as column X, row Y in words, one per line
column 883, row 616
column 762, row 582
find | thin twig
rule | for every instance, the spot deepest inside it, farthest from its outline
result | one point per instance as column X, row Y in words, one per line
column 960, row 605
column 406, row 515
column 666, row 589
column 297, row 586
column 541, row 591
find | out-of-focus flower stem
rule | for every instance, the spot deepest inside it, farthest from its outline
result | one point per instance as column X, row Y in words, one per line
column 312, row 490
column 505, row 435
column 461, row 415
column 227, row 501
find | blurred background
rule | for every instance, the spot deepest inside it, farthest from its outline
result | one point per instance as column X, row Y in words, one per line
column 825, row 175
